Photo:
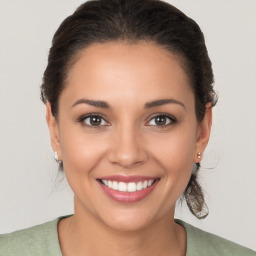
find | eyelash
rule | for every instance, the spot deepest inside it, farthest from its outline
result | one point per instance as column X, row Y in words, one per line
column 82, row 119
column 97, row 115
column 172, row 120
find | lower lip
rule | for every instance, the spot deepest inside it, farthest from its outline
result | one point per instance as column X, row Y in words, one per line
column 128, row 197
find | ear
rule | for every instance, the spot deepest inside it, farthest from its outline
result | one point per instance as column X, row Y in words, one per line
column 203, row 135
column 54, row 130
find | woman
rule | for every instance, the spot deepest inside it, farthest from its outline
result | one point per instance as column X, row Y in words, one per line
column 129, row 97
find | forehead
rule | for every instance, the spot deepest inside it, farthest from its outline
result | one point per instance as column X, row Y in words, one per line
column 127, row 69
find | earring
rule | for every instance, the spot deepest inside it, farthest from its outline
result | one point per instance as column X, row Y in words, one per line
column 56, row 157
column 198, row 155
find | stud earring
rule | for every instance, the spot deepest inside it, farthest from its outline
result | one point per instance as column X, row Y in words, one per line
column 56, row 157
column 198, row 155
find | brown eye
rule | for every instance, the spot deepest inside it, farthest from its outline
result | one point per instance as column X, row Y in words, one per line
column 161, row 120
column 94, row 121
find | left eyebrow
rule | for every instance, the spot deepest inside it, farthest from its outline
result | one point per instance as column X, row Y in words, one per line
column 95, row 103
column 161, row 102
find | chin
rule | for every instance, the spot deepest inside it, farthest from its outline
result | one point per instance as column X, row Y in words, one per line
column 128, row 225
column 128, row 220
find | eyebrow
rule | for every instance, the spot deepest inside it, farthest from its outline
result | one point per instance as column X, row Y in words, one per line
column 95, row 103
column 161, row 102
column 104, row 104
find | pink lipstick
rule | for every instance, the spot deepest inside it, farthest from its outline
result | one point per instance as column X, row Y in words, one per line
column 128, row 188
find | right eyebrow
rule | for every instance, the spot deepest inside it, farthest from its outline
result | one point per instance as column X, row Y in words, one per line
column 95, row 103
column 161, row 102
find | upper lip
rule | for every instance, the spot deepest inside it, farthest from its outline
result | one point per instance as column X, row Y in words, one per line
column 127, row 179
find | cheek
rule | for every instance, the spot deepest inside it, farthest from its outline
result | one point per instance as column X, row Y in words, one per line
column 80, row 151
column 175, row 148
column 175, row 154
column 81, row 155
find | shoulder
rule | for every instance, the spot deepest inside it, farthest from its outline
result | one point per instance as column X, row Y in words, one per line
column 200, row 242
column 37, row 241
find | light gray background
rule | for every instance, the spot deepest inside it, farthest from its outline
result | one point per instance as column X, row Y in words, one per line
column 29, row 193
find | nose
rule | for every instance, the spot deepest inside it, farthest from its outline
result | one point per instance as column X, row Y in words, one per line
column 127, row 149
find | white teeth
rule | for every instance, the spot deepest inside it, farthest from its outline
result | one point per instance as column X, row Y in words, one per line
column 145, row 184
column 127, row 187
column 139, row 185
column 115, row 185
column 122, row 186
column 109, row 183
column 150, row 182
column 105, row 182
column 131, row 187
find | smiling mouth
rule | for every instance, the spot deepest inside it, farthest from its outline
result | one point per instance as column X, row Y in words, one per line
column 128, row 186
column 127, row 189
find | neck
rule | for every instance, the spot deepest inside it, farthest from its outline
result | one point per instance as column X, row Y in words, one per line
column 83, row 234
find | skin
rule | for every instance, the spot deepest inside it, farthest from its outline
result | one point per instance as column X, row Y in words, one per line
column 127, row 142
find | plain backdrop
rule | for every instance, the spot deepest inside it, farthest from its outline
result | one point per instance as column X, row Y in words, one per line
column 31, row 194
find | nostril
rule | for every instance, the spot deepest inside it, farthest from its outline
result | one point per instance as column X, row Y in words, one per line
column 127, row 150
column 127, row 161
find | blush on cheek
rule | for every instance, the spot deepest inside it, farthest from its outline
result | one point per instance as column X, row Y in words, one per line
column 176, row 159
column 82, row 152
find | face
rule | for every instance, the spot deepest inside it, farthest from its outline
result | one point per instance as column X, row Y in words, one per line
column 127, row 133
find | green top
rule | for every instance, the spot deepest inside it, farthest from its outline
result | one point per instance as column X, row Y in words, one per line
column 42, row 240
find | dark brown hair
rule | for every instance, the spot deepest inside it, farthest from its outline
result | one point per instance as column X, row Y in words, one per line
column 132, row 21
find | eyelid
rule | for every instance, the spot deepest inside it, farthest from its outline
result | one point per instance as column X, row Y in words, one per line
column 170, row 117
column 83, row 117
